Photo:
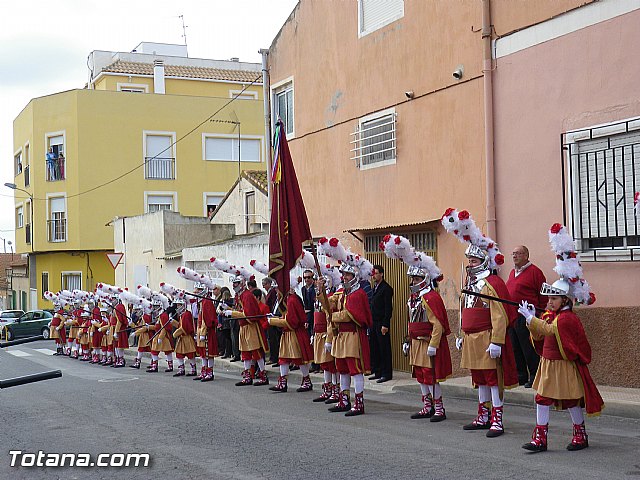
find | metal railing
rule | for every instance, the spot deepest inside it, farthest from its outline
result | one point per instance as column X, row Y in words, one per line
column 374, row 141
column 57, row 230
column 159, row 168
column 601, row 173
column 55, row 169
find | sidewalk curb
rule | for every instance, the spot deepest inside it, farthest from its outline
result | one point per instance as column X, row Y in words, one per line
column 520, row 397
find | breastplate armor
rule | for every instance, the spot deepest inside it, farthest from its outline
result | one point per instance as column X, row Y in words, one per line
column 416, row 311
column 471, row 301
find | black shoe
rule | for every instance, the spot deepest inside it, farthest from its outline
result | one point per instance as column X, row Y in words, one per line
column 472, row 426
column 295, row 367
column 528, row 385
column 382, row 380
column 235, row 359
column 374, row 377
column 534, row 448
column 438, row 418
column 494, row 433
column 275, row 365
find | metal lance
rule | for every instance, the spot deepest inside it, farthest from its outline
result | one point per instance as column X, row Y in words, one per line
column 497, row 299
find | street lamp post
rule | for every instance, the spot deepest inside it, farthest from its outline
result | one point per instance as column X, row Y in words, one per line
column 13, row 186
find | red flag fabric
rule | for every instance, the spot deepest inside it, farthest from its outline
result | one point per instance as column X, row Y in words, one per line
column 289, row 227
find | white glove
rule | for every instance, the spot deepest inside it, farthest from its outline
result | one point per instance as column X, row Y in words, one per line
column 431, row 351
column 60, row 327
column 228, row 313
column 159, row 341
column 459, row 343
column 327, row 347
column 494, row 350
column 405, row 348
column 527, row 310
column 202, row 338
column 90, row 334
column 313, row 337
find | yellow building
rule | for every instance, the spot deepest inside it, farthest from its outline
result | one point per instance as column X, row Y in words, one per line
column 150, row 131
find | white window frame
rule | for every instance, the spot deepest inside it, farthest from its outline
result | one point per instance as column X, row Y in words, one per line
column 234, row 148
column 356, row 150
column 598, row 131
column 49, row 197
column 205, row 203
column 64, row 273
column 362, row 32
column 246, row 95
column 49, row 135
column 18, row 153
column 157, row 133
column 132, row 87
column 174, row 194
column 42, row 289
column 19, row 215
column 276, row 89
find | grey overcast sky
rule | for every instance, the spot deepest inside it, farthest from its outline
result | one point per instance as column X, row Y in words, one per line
column 44, row 47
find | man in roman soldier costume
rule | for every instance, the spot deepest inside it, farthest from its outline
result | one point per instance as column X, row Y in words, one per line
column 121, row 332
column 485, row 342
column 83, row 334
column 429, row 354
column 94, row 334
column 183, row 334
column 56, row 330
column 74, row 324
column 350, row 346
column 563, row 379
column 295, row 344
column 142, row 331
column 107, row 330
column 162, row 337
column 253, row 341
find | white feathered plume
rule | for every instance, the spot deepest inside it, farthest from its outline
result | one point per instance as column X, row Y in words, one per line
column 399, row 247
column 51, row 297
column 464, row 228
column 128, row 297
column 333, row 248
column 159, row 297
column 260, row 267
column 568, row 266
column 144, row 292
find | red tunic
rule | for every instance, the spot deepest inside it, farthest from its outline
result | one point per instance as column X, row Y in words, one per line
column 508, row 360
column 357, row 304
column 96, row 339
column 296, row 318
column 526, row 286
column 210, row 318
column 121, row 327
column 248, row 303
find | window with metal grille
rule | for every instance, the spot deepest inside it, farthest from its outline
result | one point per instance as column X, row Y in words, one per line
column 374, row 140
column 159, row 157
column 57, row 223
column 603, row 168
column 375, row 14
column 71, row 281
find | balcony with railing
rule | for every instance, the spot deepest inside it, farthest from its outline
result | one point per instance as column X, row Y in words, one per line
column 159, row 168
column 57, row 230
column 56, row 166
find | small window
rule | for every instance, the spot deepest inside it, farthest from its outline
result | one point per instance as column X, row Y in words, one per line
column 374, row 140
column 45, row 283
column 240, row 95
column 132, row 88
column 211, row 204
column 283, row 107
column 159, row 157
column 20, row 217
column 72, row 281
column 155, row 203
column 18, row 163
column 57, row 223
column 226, row 149
column 250, row 211
column 375, row 14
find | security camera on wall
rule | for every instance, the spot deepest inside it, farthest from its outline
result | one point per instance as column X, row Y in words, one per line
column 458, row 72
column 409, row 94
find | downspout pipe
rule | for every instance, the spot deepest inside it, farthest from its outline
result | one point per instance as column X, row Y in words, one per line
column 266, row 87
column 487, row 72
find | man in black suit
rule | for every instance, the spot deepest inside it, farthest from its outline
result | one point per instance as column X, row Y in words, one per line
column 379, row 336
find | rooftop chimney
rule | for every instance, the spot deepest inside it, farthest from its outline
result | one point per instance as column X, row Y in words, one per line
column 158, row 76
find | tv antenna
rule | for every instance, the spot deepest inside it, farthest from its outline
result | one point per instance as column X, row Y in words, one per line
column 184, row 32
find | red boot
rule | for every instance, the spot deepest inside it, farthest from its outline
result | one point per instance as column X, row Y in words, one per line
column 194, row 371
column 246, row 379
column 439, row 413
column 281, row 386
column 201, row 376
column 496, row 428
column 580, row 438
column 538, row 441
column 262, row 379
column 306, row 385
column 326, row 392
column 136, row 364
column 344, row 405
column 481, row 422
column 427, row 409
column 180, row 372
column 169, row 366
column 335, row 394
column 358, row 406
column 153, row 368
column 208, row 375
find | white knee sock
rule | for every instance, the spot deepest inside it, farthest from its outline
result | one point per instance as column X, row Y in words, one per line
column 181, row 362
column 345, row 381
column 577, row 417
column 542, row 414
column 284, row 370
column 484, row 394
column 495, row 397
column 358, row 383
column 334, row 378
column 169, row 357
column 437, row 391
column 304, row 370
column 261, row 364
column 327, row 376
column 154, row 358
column 208, row 362
column 424, row 388
column 139, row 355
column 247, row 364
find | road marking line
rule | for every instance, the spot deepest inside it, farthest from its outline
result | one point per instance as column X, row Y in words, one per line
column 46, row 351
column 18, row 353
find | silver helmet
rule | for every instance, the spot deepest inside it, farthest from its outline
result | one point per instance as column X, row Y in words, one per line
column 180, row 305
column 239, row 283
column 559, row 288
column 352, row 284
column 418, row 272
column 473, row 251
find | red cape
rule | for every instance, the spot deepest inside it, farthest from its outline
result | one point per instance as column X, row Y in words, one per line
column 509, row 369
column 357, row 304
column 296, row 318
column 442, row 360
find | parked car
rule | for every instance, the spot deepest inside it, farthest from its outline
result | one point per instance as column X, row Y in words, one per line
column 10, row 314
column 35, row 322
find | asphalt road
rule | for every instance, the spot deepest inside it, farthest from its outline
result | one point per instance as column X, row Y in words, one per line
column 215, row 430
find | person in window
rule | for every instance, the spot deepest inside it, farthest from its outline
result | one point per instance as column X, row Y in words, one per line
column 210, row 213
column 51, row 162
column 60, row 167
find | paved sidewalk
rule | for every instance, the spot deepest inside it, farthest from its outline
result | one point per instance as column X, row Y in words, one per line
column 622, row 402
